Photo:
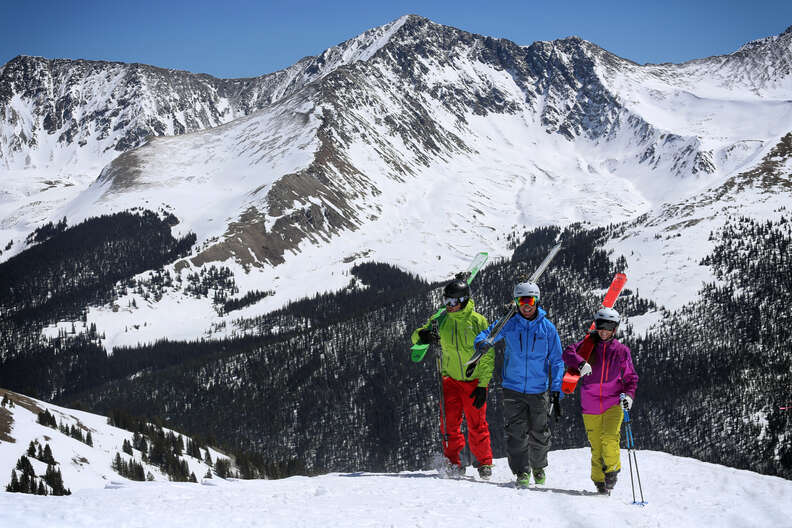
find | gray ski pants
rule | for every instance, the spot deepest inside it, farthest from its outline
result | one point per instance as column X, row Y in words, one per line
column 527, row 430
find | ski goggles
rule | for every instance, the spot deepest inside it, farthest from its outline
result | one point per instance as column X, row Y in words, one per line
column 606, row 325
column 527, row 301
column 453, row 301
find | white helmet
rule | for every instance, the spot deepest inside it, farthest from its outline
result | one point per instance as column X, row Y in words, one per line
column 607, row 319
column 526, row 289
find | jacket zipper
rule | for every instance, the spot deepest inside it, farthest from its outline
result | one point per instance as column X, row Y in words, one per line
column 602, row 372
column 459, row 357
column 525, row 376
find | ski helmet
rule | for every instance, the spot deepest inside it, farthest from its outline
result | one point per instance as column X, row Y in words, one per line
column 607, row 319
column 526, row 289
column 456, row 292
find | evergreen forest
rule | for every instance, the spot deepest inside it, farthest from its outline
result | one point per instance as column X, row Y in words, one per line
column 326, row 383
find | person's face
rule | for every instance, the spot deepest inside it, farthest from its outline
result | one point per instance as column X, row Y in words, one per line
column 527, row 306
column 605, row 334
column 453, row 304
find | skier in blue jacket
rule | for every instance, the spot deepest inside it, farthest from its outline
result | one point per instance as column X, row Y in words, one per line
column 532, row 373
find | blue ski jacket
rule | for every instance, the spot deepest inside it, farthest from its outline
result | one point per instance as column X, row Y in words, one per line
column 533, row 354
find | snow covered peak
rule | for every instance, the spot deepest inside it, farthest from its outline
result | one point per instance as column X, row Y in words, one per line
column 360, row 48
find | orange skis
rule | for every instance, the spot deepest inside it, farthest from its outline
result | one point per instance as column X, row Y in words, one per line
column 571, row 376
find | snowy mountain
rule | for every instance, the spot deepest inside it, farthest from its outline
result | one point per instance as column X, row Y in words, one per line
column 62, row 120
column 84, row 448
column 415, row 144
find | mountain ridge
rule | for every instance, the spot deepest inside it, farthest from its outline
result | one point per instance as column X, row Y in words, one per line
column 433, row 111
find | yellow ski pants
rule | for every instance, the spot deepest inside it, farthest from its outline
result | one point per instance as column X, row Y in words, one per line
column 603, row 435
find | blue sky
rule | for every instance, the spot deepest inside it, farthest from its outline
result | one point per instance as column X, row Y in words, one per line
column 243, row 38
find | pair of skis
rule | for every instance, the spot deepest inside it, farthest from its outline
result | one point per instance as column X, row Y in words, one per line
column 418, row 351
column 572, row 375
column 481, row 350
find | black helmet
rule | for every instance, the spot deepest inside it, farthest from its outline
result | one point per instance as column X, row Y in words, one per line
column 456, row 288
column 456, row 292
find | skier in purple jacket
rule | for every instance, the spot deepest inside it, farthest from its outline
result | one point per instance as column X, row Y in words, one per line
column 606, row 375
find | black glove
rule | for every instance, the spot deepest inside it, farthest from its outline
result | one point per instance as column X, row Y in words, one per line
column 479, row 396
column 482, row 347
column 555, row 401
column 428, row 336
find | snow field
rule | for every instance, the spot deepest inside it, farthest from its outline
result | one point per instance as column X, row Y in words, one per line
column 681, row 492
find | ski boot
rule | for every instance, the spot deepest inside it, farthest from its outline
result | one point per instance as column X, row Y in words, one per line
column 601, row 489
column 523, row 480
column 610, row 480
column 452, row 471
column 539, row 476
column 485, row 471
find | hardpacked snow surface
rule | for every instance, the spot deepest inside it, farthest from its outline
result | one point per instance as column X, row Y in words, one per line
column 681, row 492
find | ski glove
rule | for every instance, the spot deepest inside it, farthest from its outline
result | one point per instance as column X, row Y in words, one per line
column 584, row 368
column 482, row 346
column 555, row 401
column 429, row 336
column 479, row 396
column 627, row 403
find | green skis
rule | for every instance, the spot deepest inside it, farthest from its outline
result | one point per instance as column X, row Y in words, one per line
column 419, row 351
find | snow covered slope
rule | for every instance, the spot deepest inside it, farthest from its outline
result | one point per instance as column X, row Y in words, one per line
column 82, row 466
column 681, row 492
column 419, row 144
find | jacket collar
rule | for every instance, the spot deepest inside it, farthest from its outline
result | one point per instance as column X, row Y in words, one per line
column 540, row 314
column 464, row 313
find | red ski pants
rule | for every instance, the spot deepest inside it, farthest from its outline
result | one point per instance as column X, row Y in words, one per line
column 458, row 401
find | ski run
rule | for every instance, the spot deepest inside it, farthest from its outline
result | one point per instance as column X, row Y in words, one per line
column 682, row 493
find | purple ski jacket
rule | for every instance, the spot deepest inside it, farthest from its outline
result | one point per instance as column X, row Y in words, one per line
column 612, row 373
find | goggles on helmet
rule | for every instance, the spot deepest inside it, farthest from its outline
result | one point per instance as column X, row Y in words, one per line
column 453, row 301
column 526, row 301
column 606, row 325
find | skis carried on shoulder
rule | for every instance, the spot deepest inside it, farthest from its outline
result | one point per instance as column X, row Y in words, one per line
column 474, row 359
column 418, row 351
column 572, row 376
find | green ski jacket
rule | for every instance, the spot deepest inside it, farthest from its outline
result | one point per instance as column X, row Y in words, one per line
column 457, row 331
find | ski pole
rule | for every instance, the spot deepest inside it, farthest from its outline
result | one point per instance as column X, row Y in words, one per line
column 443, row 428
column 630, row 440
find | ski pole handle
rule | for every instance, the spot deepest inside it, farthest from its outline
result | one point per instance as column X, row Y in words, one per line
column 622, row 396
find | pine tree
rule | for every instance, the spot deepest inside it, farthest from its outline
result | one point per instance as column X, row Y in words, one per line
column 13, row 486
column 54, row 480
column 24, row 465
column 48, row 458
column 223, row 468
column 31, row 451
column 24, row 483
column 89, row 439
column 47, row 419
column 118, row 464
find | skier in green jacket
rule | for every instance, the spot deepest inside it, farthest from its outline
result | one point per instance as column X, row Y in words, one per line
column 456, row 330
